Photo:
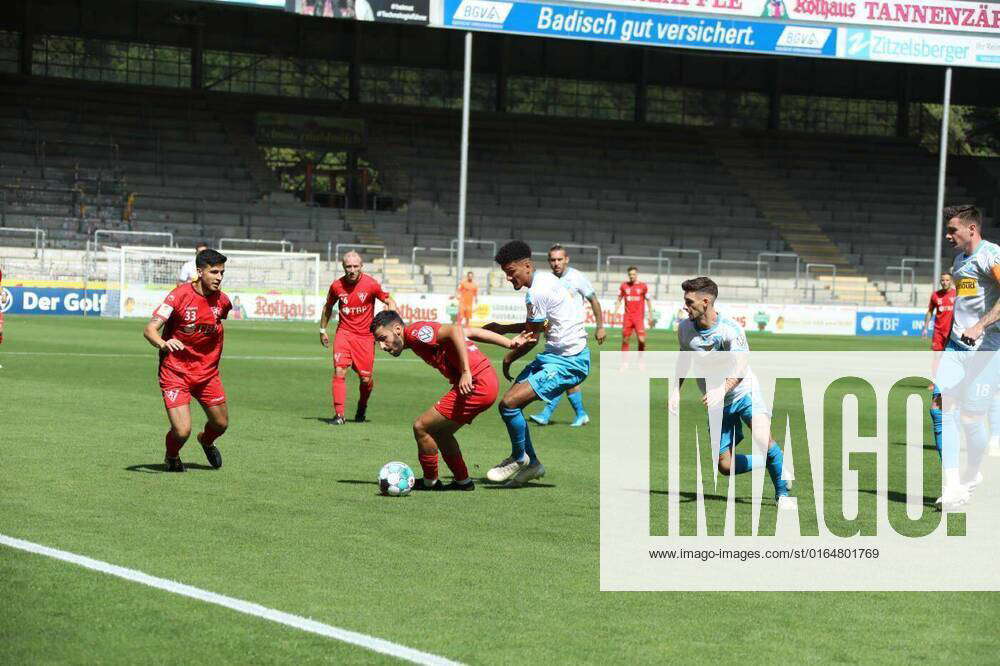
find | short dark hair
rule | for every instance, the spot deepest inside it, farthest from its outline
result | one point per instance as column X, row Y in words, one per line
column 555, row 247
column 703, row 285
column 632, row 268
column 201, row 244
column 207, row 258
column 968, row 214
column 385, row 318
column 513, row 251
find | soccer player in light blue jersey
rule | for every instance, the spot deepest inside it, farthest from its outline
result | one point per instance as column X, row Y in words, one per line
column 706, row 331
column 564, row 363
column 579, row 286
column 967, row 373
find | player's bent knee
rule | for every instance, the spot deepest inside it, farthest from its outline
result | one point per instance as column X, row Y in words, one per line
column 182, row 434
column 725, row 466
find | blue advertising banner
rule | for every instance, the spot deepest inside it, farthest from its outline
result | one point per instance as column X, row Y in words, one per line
column 888, row 323
column 52, row 300
column 630, row 27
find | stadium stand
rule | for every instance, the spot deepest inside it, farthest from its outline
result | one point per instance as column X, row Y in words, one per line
column 74, row 159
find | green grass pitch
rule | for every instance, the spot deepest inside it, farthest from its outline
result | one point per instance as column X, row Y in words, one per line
column 294, row 522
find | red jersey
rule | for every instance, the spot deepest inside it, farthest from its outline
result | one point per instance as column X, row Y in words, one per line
column 357, row 303
column 943, row 304
column 422, row 338
column 634, row 296
column 195, row 320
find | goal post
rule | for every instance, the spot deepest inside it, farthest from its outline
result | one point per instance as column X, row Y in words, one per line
column 261, row 285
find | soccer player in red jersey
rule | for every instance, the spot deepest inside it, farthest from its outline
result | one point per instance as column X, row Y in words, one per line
column 190, row 348
column 474, row 387
column 634, row 294
column 942, row 309
column 353, row 344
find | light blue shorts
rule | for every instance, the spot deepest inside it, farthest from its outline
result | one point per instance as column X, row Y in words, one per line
column 732, row 415
column 551, row 375
column 970, row 377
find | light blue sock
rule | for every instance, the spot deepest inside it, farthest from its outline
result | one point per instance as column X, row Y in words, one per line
column 775, row 460
column 551, row 407
column 517, row 428
column 995, row 418
column 746, row 463
column 936, row 421
column 951, row 439
column 576, row 399
column 976, row 441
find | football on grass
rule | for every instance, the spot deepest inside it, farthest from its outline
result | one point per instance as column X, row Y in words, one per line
column 396, row 479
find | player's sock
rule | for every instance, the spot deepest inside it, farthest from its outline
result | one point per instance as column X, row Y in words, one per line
column 576, row 399
column 936, row 421
column 551, row 407
column 456, row 464
column 429, row 464
column 517, row 428
column 364, row 392
column 775, row 461
column 744, row 463
column 625, row 346
column 976, row 440
column 339, row 394
column 951, row 439
column 210, row 434
column 173, row 444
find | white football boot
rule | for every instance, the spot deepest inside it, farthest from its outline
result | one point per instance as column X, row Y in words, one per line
column 953, row 497
column 527, row 473
column 506, row 468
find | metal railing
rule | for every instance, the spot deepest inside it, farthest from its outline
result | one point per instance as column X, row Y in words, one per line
column 833, row 279
column 635, row 258
column 788, row 255
column 258, row 241
column 679, row 250
column 583, row 246
column 913, row 280
column 37, row 233
column 453, row 243
column 758, row 264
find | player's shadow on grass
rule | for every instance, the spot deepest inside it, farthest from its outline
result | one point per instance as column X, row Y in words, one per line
column 323, row 419
column 896, row 496
column 358, row 482
column 157, row 468
column 687, row 496
column 486, row 484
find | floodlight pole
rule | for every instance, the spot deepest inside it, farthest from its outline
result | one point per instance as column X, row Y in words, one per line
column 942, row 173
column 463, row 177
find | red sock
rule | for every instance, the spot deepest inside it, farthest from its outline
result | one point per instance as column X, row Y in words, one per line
column 210, row 434
column 457, row 466
column 339, row 395
column 173, row 444
column 365, row 391
column 625, row 346
column 642, row 346
column 429, row 463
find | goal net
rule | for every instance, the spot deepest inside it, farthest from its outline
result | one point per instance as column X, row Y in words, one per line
column 261, row 285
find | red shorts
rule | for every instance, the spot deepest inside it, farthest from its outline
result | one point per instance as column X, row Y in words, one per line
column 940, row 340
column 354, row 351
column 177, row 390
column 637, row 324
column 464, row 408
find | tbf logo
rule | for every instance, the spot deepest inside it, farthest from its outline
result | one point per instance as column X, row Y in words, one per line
column 858, row 44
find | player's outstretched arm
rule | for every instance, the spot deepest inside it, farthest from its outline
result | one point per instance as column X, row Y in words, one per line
column 595, row 305
column 152, row 334
column 532, row 331
column 489, row 337
column 504, row 329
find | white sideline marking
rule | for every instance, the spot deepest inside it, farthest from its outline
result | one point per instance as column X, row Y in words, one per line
column 361, row 640
column 225, row 357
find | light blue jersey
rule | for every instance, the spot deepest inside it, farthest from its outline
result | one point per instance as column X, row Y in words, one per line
column 577, row 283
column 725, row 335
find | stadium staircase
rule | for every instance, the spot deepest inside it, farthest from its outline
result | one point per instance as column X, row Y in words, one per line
column 785, row 213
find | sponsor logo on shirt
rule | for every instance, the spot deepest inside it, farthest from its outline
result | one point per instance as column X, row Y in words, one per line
column 966, row 287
